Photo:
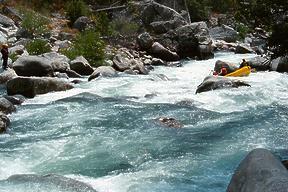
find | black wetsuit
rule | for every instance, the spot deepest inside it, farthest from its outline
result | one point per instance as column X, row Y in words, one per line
column 4, row 52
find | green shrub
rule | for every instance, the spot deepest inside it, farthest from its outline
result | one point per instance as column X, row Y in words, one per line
column 89, row 45
column 75, row 9
column 242, row 30
column 103, row 24
column 34, row 23
column 37, row 47
column 124, row 27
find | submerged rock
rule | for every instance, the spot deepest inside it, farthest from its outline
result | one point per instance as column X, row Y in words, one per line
column 51, row 180
column 260, row 171
column 31, row 86
column 6, row 106
column 170, row 122
column 218, row 82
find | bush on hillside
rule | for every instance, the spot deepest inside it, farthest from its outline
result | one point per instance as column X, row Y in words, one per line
column 37, row 47
column 89, row 45
column 75, row 9
column 278, row 40
column 34, row 23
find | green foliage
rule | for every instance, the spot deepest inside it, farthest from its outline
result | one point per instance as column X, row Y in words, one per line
column 198, row 10
column 103, row 24
column 242, row 30
column 124, row 27
column 13, row 57
column 75, row 9
column 34, row 23
column 37, row 47
column 89, row 45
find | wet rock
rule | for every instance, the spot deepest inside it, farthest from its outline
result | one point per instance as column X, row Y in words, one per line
column 260, row 171
column 243, row 49
column 81, row 66
column 158, row 62
column 225, row 33
column 259, row 63
column 76, row 81
column 51, row 180
column 6, row 106
column 7, row 75
column 60, row 66
column 72, row 74
column 280, row 64
column 231, row 67
column 4, row 122
column 145, row 41
column 159, row 51
column 18, row 50
column 32, row 86
column 15, row 99
column 121, row 63
column 139, row 66
column 170, row 122
column 61, row 75
column 103, row 71
column 33, row 66
column 218, row 82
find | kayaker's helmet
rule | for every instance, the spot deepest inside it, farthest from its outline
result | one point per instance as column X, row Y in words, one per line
column 4, row 45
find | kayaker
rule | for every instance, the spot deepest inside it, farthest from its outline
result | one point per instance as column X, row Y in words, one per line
column 223, row 71
column 244, row 63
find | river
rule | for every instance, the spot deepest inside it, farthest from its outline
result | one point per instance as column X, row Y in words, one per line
column 104, row 132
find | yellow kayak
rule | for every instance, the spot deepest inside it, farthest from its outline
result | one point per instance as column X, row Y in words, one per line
column 244, row 71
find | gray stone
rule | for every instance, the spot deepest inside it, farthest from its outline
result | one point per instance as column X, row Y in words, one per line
column 169, row 122
column 159, row 51
column 6, row 106
column 32, row 86
column 4, row 122
column 81, row 23
column 121, row 63
column 33, row 66
column 6, row 21
column 139, row 66
column 218, row 82
column 243, row 49
column 81, row 66
column 145, row 41
column 103, row 71
column 280, row 64
column 260, row 171
column 225, row 33
column 15, row 99
column 7, row 75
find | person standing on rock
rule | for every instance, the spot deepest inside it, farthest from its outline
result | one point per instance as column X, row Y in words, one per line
column 4, row 52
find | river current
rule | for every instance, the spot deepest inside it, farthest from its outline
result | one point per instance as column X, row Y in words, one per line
column 104, row 132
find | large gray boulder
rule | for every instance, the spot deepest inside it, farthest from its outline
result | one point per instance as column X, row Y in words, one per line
column 7, row 75
column 6, row 106
column 33, row 66
column 121, row 62
column 32, row 86
column 4, row 122
column 225, row 33
column 231, row 67
column 49, row 181
column 103, row 71
column 159, row 51
column 157, row 17
column 260, row 171
column 218, row 82
column 194, row 41
column 280, row 64
column 259, row 63
column 81, row 66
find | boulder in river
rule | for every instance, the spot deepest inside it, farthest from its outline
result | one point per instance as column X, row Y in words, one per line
column 260, row 171
column 169, row 122
column 81, row 66
column 280, row 64
column 33, row 66
column 231, row 67
column 4, row 122
column 6, row 106
column 7, row 75
column 32, row 86
column 218, row 82
column 104, row 71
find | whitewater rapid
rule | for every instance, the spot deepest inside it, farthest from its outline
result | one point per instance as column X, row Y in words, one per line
column 104, row 132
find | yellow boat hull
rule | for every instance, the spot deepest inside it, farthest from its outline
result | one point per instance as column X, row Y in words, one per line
column 244, row 71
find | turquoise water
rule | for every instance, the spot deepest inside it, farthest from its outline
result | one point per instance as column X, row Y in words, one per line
column 104, row 132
